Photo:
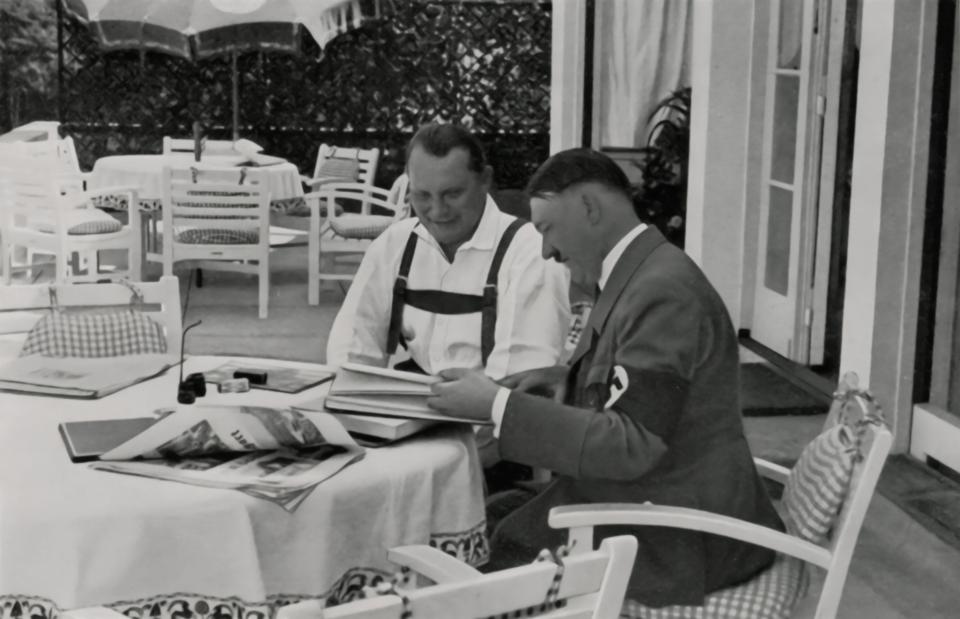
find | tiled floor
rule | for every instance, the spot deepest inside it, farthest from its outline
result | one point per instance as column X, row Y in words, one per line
column 899, row 569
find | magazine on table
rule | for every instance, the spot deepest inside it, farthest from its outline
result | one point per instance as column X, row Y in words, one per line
column 279, row 377
column 78, row 377
column 279, row 454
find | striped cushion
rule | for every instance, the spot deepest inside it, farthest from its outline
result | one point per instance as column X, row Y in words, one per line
column 818, row 483
column 218, row 236
column 360, row 226
column 770, row 595
column 95, row 334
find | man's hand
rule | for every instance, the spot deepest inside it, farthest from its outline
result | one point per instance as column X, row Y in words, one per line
column 549, row 382
column 463, row 393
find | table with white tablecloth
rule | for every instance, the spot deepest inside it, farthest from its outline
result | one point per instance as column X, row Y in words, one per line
column 75, row 537
column 145, row 172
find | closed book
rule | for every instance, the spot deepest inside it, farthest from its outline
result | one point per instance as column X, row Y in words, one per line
column 88, row 440
column 386, row 428
column 74, row 377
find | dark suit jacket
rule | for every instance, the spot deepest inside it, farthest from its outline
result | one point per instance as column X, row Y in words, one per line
column 653, row 414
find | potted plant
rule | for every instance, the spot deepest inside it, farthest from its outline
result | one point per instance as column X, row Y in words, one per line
column 661, row 196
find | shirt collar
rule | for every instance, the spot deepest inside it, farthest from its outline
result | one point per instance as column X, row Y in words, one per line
column 483, row 237
column 613, row 256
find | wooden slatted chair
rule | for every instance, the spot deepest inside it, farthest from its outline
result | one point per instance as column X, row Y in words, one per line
column 587, row 585
column 344, row 234
column 826, row 497
column 49, row 214
column 343, row 164
column 217, row 219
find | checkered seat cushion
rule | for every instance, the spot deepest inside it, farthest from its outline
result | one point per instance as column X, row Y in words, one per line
column 95, row 334
column 218, row 236
column 770, row 595
column 360, row 226
column 81, row 221
column 207, row 235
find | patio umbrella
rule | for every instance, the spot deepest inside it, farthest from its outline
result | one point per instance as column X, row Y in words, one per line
column 196, row 29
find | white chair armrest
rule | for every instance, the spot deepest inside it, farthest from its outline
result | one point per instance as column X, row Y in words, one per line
column 314, row 183
column 586, row 516
column 432, row 563
column 772, row 471
column 93, row 612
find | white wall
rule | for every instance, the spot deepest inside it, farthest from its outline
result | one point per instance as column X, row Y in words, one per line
column 720, row 79
column 887, row 202
column 568, row 54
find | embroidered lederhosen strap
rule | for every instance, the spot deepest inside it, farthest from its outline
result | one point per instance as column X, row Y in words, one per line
column 441, row 302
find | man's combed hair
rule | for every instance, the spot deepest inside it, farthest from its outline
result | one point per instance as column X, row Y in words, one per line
column 572, row 167
column 438, row 139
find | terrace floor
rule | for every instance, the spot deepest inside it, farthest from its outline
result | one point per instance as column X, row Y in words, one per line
column 901, row 569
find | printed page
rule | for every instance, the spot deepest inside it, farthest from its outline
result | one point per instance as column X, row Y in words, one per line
column 194, row 431
column 284, row 477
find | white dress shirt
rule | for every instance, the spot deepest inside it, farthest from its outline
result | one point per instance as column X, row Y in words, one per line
column 606, row 268
column 533, row 309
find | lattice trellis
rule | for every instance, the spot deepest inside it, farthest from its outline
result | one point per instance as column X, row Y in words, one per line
column 486, row 64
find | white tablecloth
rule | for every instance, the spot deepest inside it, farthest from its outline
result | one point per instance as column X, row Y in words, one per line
column 146, row 173
column 73, row 537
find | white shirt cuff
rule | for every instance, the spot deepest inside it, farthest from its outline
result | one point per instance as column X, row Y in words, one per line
column 498, row 408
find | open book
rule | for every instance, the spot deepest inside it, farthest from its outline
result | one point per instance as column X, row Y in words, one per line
column 278, row 454
column 75, row 377
column 371, row 390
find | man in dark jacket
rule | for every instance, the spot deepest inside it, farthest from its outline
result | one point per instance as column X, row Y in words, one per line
column 648, row 408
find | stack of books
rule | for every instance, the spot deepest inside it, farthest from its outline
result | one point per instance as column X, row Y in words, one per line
column 379, row 402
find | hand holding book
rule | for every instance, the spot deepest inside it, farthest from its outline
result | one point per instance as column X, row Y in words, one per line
column 380, row 391
column 464, row 393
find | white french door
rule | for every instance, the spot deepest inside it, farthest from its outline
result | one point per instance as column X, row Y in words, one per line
column 789, row 214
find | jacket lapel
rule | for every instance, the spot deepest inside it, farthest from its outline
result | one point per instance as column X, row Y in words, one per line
column 629, row 262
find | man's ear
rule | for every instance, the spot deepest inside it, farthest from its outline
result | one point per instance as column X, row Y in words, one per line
column 591, row 206
column 486, row 177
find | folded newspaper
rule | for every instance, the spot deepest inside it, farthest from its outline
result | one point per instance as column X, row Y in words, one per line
column 278, row 454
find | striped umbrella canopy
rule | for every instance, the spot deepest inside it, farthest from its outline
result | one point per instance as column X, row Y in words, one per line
column 196, row 29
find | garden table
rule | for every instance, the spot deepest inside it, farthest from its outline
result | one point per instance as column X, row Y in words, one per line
column 75, row 537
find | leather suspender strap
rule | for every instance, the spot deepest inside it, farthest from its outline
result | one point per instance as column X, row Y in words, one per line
column 488, row 315
column 399, row 294
column 440, row 302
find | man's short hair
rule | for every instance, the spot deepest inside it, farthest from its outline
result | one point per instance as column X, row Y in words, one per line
column 438, row 139
column 577, row 165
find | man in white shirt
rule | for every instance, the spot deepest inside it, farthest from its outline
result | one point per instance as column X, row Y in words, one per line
column 451, row 285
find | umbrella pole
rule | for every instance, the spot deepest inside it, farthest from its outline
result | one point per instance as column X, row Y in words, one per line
column 235, row 96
